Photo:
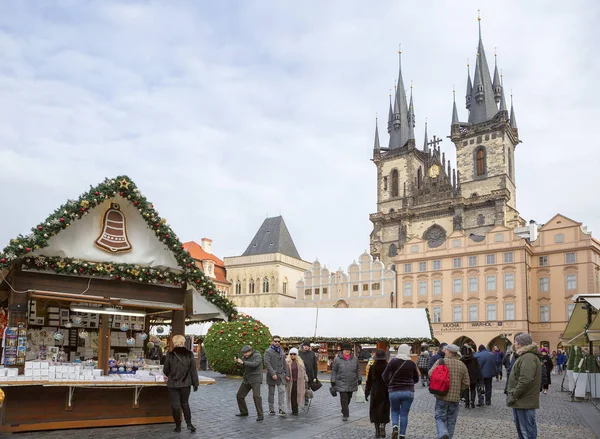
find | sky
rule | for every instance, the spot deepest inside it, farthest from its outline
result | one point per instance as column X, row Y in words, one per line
column 224, row 113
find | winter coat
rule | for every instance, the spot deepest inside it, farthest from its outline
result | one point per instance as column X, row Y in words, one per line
column 560, row 358
column 377, row 392
column 547, row 361
column 345, row 374
column 487, row 362
column 401, row 375
column 525, row 380
column 253, row 368
column 434, row 358
column 275, row 364
column 310, row 362
column 473, row 368
column 499, row 356
column 423, row 360
column 300, row 384
column 180, row 368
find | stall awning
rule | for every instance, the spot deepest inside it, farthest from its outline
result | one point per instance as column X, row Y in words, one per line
column 575, row 332
column 199, row 309
column 333, row 323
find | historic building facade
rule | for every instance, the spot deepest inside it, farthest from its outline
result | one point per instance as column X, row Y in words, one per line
column 267, row 272
column 420, row 195
column 367, row 284
column 210, row 264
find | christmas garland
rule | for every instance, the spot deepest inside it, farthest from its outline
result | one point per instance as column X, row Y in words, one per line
column 369, row 340
column 21, row 247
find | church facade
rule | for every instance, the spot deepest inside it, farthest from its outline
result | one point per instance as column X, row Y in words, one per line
column 421, row 195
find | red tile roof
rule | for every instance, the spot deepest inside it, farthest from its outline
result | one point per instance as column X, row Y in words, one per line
column 197, row 252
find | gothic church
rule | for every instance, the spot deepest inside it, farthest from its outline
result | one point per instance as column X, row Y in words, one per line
column 419, row 195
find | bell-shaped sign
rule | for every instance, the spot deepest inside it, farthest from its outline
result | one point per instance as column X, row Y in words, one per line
column 113, row 238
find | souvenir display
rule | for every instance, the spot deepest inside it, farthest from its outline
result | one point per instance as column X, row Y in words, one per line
column 131, row 341
column 84, row 334
column 143, row 336
column 125, row 327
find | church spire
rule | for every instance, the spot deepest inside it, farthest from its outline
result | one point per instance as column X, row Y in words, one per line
column 377, row 145
column 513, row 120
column 469, row 87
column 426, row 142
column 411, row 117
column 502, row 100
column 454, row 110
column 390, row 115
column 497, row 84
column 400, row 119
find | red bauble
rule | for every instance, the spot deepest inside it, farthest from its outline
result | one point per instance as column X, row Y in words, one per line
column 117, row 277
column 189, row 265
column 27, row 249
column 83, row 209
column 52, row 266
column 3, row 260
column 40, row 228
column 81, row 270
column 244, row 332
column 162, row 281
column 243, row 323
column 211, row 293
column 221, row 331
column 121, row 193
column 166, row 235
column 62, row 220
column 96, row 193
column 255, row 328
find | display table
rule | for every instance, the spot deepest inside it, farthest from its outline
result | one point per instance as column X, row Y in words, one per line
column 54, row 405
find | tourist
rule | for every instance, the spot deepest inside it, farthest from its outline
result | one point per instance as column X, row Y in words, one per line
column 554, row 357
column 377, row 390
column 547, row 370
column 401, row 374
column 296, row 386
column 276, row 375
column 474, row 375
column 487, row 362
column 499, row 356
column 524, row 381
column 252, row 379
column 370, row 363
column 345, row 377
column 310, row 361
column 180, row 370
column 447, row 406
column 560, row 361
column 439, row 354
column 423, row 365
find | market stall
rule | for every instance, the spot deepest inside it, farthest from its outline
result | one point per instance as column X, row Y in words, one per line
column 82, row 291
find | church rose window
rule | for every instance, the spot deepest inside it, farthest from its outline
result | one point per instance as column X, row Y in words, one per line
column 435, row 236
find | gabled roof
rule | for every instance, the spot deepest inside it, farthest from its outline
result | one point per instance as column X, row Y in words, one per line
column 28, row 250
column 273, row 237
column 199, row 254
column 553, row 223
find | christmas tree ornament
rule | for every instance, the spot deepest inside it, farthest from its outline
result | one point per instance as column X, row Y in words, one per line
column 125, row 327
column 68, row 325
column 76, row 320
column 83, row 334
column 143, row 336
column 160, row 330
column 113, row 238
column 131, row 341
column 58, row 336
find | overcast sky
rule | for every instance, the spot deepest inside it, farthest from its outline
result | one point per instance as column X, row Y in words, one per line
column 226, row 112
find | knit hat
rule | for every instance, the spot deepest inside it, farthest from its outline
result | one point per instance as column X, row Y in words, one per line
column 346, row 347
column 524, row 339
column 293, row 351
column 246, row 349
column 380, row 354
column 305, row 343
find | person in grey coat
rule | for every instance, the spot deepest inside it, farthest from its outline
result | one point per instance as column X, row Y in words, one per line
column 345, row 377
column 252, row 362
column 277, row 375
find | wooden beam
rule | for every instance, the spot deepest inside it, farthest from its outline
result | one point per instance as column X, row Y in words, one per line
column 61, row 425
column 104, row 343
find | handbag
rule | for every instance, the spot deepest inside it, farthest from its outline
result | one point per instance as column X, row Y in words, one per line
column 308, row 394
column 315, row 385
column 360, row 395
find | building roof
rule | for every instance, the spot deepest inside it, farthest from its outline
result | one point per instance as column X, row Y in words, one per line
column 273, row 236
column 197, row 252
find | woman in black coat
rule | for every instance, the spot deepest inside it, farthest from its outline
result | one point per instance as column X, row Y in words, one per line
column 474, row 369
column 547, row 362
column 180, row 369
column 377, row 391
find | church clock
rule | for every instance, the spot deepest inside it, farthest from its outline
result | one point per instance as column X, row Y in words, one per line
column 434, row 171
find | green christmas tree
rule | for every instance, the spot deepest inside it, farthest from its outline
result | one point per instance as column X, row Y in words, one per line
column 577, row 359
column 571, row 362
column 226, row 339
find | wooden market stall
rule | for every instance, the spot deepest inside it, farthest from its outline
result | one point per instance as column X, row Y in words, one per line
column 82, row 291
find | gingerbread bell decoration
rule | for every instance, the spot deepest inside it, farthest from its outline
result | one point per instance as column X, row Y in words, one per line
column 113, row 238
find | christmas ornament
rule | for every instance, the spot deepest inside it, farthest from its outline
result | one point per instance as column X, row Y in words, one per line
column 76, row 320
column 143, row 336
column 83, row 334
column 131, row 341
column 160, row 330
column 125, row 327
column 113, row 238
column 58, row 336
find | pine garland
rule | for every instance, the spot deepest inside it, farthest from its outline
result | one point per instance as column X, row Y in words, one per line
column 20, row 248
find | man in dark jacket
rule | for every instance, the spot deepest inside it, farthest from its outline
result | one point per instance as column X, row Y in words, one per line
column 438, row 356
column 252, row 362
column 277, row 375
column 499, row 355
column 487, row 362
column 310, row 361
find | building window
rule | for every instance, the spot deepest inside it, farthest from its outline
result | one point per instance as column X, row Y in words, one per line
column 393, row 250
column 422, row 288
column 457, row 262
column 490, row 283
column 543, row 285
column 473, row 313
column 422, row 266
column 251, row 286
column 437, row 286
column 473, row 285
column 544, row 313
column 324, row 291
column 472, row 261
column 570, row 258
column 355, row 288
column 509, row 311
column 395, row 185
column 238, row 287
column 499, row 237
column 408, row 288
column 457, row 313
column 437, row 314
column 490, row 311
column 317, row 291
column 490, row 259
column 365, row 287
column 509, row 257
column 571, row 282
column 385, row 183
column 285, row 283
column 543, row 261
column 265, row 285
column 570, row 309
column 307, row 292
column 480, row 162
column 375, row 286
column 559, row 238
column 509, row 281
column 480, row 220
column 457, row 286
column 408, row 268
column 437, row 265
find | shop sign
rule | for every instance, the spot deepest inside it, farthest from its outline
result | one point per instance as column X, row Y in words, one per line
column 485, row 324
column 451, row 327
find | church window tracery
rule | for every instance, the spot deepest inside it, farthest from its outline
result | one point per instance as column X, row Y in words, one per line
column 395, row 183
column 435, row 236
column 393, row 250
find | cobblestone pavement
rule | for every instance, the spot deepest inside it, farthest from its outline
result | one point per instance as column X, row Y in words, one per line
column 213, row 409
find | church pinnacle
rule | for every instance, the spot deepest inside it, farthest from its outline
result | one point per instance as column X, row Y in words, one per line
column 399, row 130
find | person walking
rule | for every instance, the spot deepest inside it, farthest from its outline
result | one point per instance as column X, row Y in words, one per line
column 276, row 375
column 401, row 375
column 547, row 369
column 560, row 361
column 252, row 379
column 345, row 377
column 499, row 356
column 439, row 354
column 296, row 386
column 310, row 361
column 423, row 365
column 523, row 390
column 487, row 362
column 447, row 406
column 180, row 370
column 554, row 357
column 377, row 390
column 474, row 375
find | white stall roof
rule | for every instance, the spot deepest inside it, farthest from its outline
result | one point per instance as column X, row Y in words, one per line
column 327, row 323
column 576, row 332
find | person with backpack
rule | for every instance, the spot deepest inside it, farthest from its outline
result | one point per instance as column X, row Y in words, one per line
column 423, row 365
column 448, row 378
column 439, row 354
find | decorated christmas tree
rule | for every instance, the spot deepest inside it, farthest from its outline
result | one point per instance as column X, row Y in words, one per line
column 226, row 339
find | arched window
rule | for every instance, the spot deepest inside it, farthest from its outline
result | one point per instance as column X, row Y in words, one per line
column 420, row 178
column 238, row 287
column 395, row 184
column 251, row 286
column 480, row 162
column 265, row 285
column 393, row 250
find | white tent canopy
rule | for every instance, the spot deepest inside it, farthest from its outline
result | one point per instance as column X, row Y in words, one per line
column 575, row 332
